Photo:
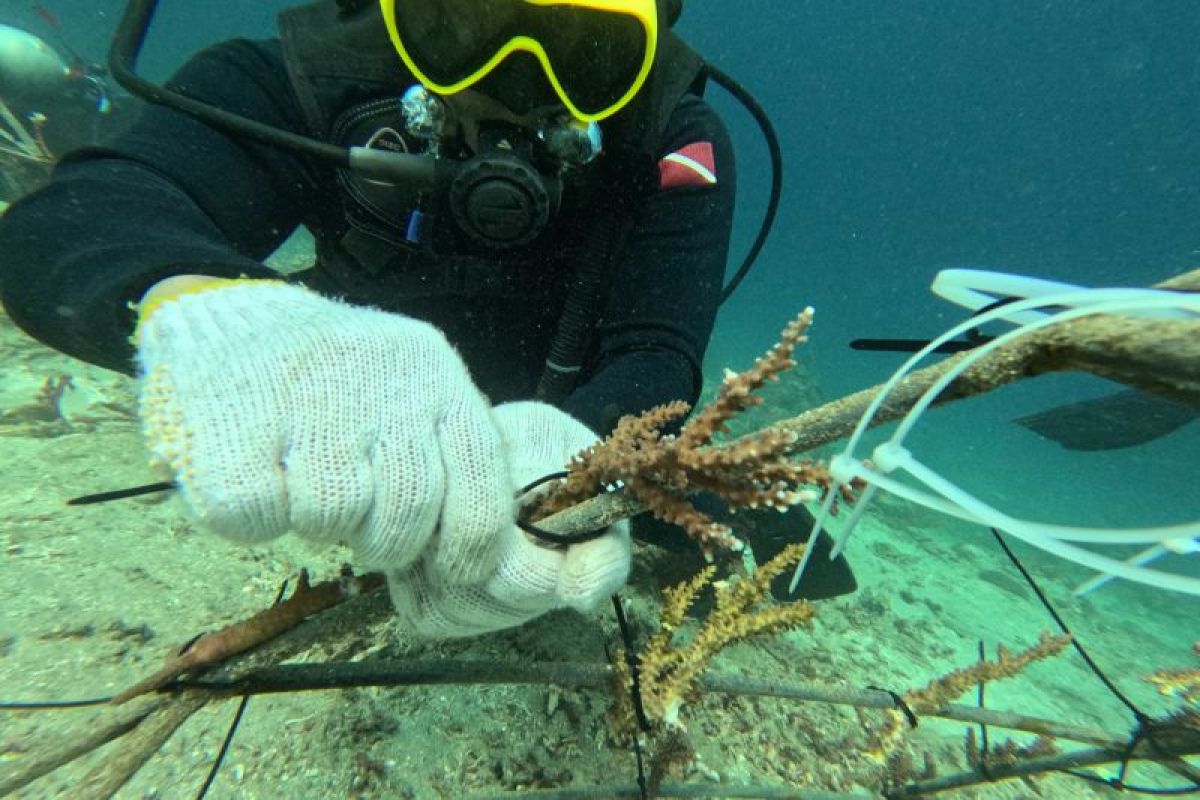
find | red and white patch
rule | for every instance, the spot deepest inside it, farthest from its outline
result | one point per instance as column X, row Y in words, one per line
column 692, row 165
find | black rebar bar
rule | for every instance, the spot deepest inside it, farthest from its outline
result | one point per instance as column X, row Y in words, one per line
column 580, row 675
column 713, row 790
column 1024, row 767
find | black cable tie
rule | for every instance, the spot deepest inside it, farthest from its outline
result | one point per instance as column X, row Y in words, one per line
column 233, row 725
column 189, row 644
column 1062, row 626
column 553, row 476
column 51, row 705
column 225, row 743
column 1139, row 734
column 561, row 539
column 120, row 494
column 635, row 693
column 981, row 756
column 631, row 661
column 900, row 703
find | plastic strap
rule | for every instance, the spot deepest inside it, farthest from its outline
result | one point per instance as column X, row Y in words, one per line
column 948, row 498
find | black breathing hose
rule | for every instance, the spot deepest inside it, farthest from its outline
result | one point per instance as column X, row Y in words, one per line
column 739, row 92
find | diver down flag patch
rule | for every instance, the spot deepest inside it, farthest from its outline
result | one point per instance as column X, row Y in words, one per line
column 691, row 165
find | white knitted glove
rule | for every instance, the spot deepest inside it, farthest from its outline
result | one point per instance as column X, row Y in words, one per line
column 531, row 577
column 278, row 409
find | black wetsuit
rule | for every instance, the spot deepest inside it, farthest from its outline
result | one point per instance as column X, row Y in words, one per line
column 173, row 196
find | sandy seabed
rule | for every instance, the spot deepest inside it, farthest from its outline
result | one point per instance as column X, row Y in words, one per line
column 95, row 596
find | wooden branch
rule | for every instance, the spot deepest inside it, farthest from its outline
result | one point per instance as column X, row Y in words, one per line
column 722, row 791
column 586, row 675
column 1157, row 355
column 159, row 711
column 1034, row 766
column 95, row 733
column 213, row 648
column 139, row 746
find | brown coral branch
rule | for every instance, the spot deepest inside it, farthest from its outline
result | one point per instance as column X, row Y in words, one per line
column 941, row 691
column 669, row 672
column 661, row 470
column 212, row 648
column 1183, row 683
column 736, row 392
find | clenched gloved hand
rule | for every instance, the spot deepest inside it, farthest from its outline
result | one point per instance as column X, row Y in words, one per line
column 278, row 409
column 530, row 577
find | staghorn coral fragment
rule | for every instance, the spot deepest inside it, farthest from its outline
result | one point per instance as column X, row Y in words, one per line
column 1182, row 683
column 661, row 470
column 939, row 692
column 668, row 672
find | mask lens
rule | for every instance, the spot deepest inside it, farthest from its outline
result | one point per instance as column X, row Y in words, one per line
column 597, row 57
column 448, row 40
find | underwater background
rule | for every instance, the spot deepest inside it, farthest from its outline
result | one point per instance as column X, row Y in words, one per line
column 1056, row 139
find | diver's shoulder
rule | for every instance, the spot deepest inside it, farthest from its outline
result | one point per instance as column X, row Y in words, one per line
column 239, row 73
column 694, row 119
column 245, row 55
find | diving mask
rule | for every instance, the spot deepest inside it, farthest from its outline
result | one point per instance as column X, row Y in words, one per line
column 596, row 54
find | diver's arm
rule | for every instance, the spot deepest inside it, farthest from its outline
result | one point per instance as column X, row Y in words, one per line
column 666, row 289
column 170, row 196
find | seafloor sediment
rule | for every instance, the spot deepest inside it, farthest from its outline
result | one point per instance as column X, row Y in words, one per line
column 94, row 597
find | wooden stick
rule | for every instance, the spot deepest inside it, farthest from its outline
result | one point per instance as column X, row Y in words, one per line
column 118, row 721
column 723, row 791
column 97, row 732
column 213, row 648
column 139, row 746
column 583, row 675
column 1032, row 766
column 1157, row 355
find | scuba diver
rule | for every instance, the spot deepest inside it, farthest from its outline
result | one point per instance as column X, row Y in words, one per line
column 51, row 104
column 522, row 214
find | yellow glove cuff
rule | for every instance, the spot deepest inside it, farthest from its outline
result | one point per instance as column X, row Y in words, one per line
column 183, row 285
